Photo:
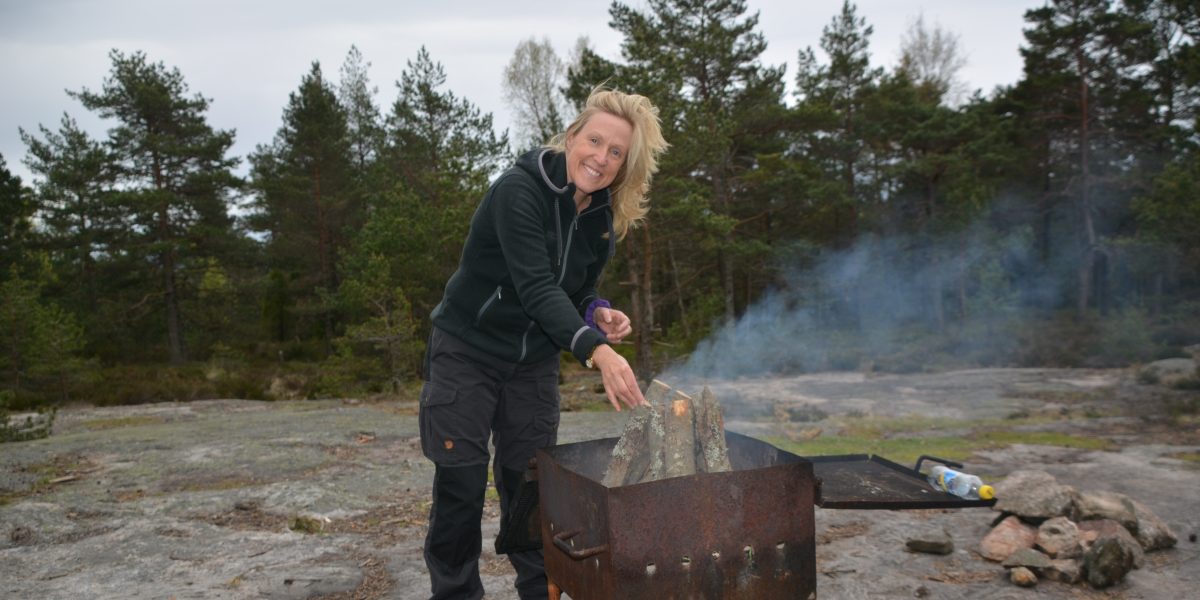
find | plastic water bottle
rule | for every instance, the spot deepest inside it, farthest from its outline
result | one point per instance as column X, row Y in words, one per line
column 963, row 485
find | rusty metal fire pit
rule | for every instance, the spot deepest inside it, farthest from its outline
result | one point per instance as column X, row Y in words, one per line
column 747, row 533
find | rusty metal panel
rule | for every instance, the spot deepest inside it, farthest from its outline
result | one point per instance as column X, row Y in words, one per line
column 746, row 533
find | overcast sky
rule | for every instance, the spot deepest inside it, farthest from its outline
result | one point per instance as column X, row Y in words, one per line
column 248, row 55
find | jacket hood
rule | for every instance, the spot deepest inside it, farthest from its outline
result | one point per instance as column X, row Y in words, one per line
column 550, row 168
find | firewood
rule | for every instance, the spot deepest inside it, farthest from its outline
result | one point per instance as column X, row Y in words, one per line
column 712, row 454
column 674, row 436
column 647, row 461
column 637, row 454
column 680, row 441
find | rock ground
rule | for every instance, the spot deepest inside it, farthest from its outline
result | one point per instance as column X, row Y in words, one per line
column 193, row 500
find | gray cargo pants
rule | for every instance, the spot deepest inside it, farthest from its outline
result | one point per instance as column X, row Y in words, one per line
column 469, row 397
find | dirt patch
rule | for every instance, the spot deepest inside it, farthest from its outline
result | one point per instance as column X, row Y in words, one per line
column 841, row 531
column 376, row 581
column 393, row 521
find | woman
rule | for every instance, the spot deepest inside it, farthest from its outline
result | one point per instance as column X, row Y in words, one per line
column 523, row 292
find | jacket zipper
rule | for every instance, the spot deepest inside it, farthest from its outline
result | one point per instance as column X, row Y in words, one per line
column 483, row 309
column 525, row 340
column 570, row 235
column 563, row 261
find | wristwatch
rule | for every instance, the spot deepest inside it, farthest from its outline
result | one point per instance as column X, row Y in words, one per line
column 589, row 363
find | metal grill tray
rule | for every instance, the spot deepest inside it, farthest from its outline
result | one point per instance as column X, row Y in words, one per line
column 864, row 481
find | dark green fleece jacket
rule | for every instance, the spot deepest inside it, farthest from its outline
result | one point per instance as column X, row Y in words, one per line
column 529, row 266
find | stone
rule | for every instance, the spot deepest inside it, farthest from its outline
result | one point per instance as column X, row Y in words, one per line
column 1034, row 495
column 21, row 536
column 935, row 542
column 1023, row 577
column 1107, row 528
column 1063, row 570
column 1059, row 538
column 1007, row 537
column 1107, row 562
column 1152, row 533
column 1168, row 371
column 1027, row 557
column 1106, row 505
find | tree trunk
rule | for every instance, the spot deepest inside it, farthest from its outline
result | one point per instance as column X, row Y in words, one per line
column 1156, row 303
column 324, row 258
column 935, row 294
column 1087, row 262
column 727, row 282
column 721, row 195
column 687, row 330
column 962, row 278
column 644, row 335
column 174, row 330
column 167, row 262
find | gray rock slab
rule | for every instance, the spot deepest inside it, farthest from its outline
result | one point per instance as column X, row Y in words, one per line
column 1034, row 495
column 184, row 468
column 1094, row 505
column 1027, row 557
column 1059, row 538
column 1152, row 532
column 933, row 542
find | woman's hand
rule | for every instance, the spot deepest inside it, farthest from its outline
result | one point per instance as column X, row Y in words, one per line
column 619, row 382
column 614, row 323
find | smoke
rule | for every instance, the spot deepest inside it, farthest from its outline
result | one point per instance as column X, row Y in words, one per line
column 900, row 302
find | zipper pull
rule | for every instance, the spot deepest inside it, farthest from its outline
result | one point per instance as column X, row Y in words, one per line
column 499, row 294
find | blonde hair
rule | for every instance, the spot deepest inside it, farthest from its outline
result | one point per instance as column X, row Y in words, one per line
column 632, row 183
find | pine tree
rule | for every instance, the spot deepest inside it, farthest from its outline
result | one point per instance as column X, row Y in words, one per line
column 307, row 200
column 75, row 204
column 1079, row 62
column 364, row 123
column 700, row 62
column 174, row 176
column 436, row 138
column 833, row 121
column 16, row 212
column 441, row 153
column 40, row 343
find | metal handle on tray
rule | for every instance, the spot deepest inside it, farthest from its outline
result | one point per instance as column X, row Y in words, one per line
column 948, row 463
column 560, row 541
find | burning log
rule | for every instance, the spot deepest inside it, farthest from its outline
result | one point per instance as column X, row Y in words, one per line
column 680, row 446
column 672, row 437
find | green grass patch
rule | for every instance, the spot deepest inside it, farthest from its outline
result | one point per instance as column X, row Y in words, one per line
column 881, row 427
column 1191, row 457
column 906, row 450
column 901, row 450
column 1043, row 438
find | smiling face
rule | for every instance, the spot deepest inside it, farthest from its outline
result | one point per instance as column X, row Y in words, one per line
column 595, row 154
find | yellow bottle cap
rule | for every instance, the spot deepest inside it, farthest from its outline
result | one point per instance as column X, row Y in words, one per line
column 986, row 492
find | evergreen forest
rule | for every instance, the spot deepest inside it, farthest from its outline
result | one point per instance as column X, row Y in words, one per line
column 829, row 214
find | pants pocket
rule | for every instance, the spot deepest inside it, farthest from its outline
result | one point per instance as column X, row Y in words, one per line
column 437, row 423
